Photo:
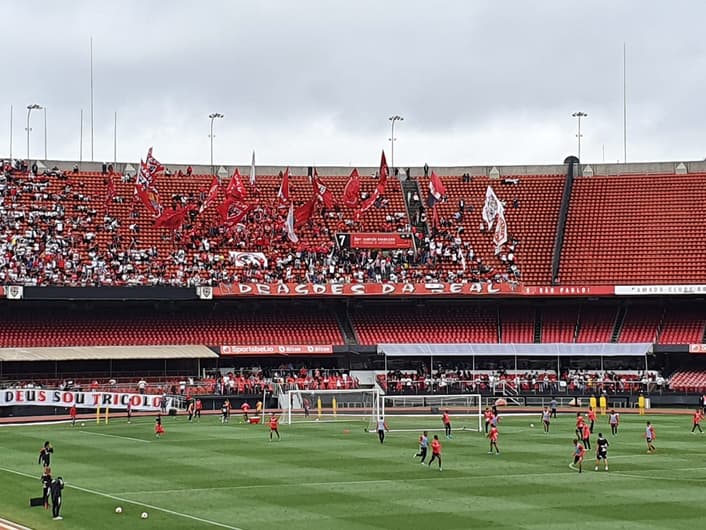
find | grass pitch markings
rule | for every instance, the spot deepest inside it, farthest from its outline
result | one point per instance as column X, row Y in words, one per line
column 137, row 503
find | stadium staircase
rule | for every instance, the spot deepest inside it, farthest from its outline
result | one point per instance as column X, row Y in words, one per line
column 572, row 165
column 618, row 325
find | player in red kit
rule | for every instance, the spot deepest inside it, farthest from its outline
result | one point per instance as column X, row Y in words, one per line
column 586, row 435
column 274, row 426
column 488, row 415
column 447, row 424
column 73, row 413
column 591, row 417
column 245, row 407
column 493, row 437
column 579, row 425
column 435, row 451
column 698, row 416
column 158, row 429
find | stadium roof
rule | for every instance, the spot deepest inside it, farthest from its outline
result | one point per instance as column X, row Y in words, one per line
column 97, row 353
column 520, row 350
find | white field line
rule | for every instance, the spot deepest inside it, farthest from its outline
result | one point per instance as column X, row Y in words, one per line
column 117, row 436
column 137, row 503
column 12, row 526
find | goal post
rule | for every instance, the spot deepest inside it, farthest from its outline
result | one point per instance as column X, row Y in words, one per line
column 332, row 405
column 415, row 412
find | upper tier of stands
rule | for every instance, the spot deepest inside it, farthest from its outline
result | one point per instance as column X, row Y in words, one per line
column 635, row 229
column 59, row 229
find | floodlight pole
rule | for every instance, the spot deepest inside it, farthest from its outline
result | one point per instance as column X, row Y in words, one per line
column 393, row 119
column 213, row 116
column 578, row 116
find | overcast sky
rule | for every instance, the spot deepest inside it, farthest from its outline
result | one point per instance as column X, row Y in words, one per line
column 314, row 81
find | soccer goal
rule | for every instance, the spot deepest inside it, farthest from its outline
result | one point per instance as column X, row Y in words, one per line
column 417, row 412
column 332, row 405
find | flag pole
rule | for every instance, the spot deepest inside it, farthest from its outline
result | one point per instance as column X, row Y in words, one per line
column 91, row 98
column 625, row 106
column 11, row 113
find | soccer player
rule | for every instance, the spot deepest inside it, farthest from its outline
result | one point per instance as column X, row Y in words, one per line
column 493, row 437
column 552, row 406
column 614, row 421
column 245, row 407
column 45, row 454
column 488, row 415
column 650, row 436
column 698, row 416
column 579, row 425
column 579, row 452
column 586, row 436
column 381, row 428
column 190, row 410
column 258, row 408
column 601, row 451
column 546, row 419
column 198, row 407
column 72, row 414
column 158, row 429
column 224, row 413
column 307, row 405
column 274, row 426
column 591, row 417
column 423, row 446
column 435, row 451
column 129, row 411
column 56, row 486
column 46, row 486
column 447, row 424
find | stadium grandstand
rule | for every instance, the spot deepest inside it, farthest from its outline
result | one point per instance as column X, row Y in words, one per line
column 261, row 280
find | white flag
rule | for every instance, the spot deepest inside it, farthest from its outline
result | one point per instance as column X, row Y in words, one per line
column 491, row 207
column 252, row 169
column 290, row 224
column 500, row 235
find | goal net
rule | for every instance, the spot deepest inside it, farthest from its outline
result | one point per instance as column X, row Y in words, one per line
column 332, row 405
column 413, row 413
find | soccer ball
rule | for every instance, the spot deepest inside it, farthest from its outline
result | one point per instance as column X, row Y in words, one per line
column 83, row 424
column 317, row 419
column 119, row 509
column 532, row 425
column 144, row 515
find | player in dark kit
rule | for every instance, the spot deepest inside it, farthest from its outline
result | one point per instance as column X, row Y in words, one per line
column 601, row 451
column 45, row 454
column 57, row 485
column 46, row 486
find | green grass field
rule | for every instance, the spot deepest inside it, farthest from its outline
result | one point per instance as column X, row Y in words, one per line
column 334, row 475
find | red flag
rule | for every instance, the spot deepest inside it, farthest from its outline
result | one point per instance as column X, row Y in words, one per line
column 321, row 192
column 283, row 193
column 212, row 194
column 236, row 187
column 367, row 203
column 304, row 212
column 172, row 219
column 436, row 189
column 233, row 211
column 351, row 193
column 110, row 193
column 384, row 171
column 149, row 170
column 150, row 198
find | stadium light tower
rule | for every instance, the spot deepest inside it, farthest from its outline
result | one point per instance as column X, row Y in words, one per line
column 393, row 119
column 213, row 116
column 30, row 108
column 578, row 115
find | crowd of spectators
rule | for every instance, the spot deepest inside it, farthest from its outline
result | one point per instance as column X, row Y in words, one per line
column 58, row 228
column 454, row 381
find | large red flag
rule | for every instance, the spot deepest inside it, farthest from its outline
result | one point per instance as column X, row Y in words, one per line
column 384, row 171
column 351, row 193
column 321, row 192
column 283, row 193
column 436, row 189
column 236, row 187
column 233, row 211
column 172, row 218
column 367, row 203
column 150, row 198
column 304, row 212
column 212, row 194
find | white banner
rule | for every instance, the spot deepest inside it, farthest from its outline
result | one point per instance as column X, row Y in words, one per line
column 648, row 290
column 491, row 207
column 500, row 235
column 82, row 400
column 248, row 259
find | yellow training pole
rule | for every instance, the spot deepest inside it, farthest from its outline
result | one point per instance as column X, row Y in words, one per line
column 107, row 413
column 98, row 416
column 318, row 406
column 335, row 406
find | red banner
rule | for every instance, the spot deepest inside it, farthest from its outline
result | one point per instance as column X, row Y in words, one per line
column 380, row 240
column 403, row 289
column 271, row 349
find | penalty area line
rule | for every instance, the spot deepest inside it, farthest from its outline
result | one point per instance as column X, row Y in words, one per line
column 117, row 436
column 136, row 503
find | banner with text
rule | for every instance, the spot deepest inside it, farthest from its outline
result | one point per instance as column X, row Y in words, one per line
column 382, row 240
column 85, row 400
column 648, row 290
column 403, row 289
column 697, row 348
column 270, row 349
